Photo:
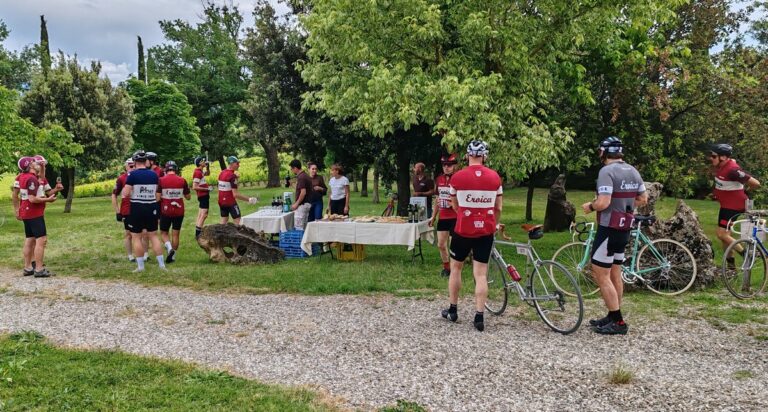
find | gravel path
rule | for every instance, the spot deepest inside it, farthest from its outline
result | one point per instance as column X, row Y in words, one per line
column 372, row 351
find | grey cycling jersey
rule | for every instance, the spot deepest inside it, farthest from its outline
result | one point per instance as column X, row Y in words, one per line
column 623, row 183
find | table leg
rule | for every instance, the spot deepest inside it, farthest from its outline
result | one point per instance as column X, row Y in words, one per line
column 414, row 255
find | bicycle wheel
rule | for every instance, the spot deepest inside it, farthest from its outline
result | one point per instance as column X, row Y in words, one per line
column 498, row 293
column 570, row 255
column 560, row 311
column 668, row 267
column 746, row 276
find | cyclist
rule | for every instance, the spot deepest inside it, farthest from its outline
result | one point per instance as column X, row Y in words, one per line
column 200, row 186
column 173, row 190
column 730, row 182
column 31, row 210
column 123, row 210
column 476, row 196
column 28, row 250
column 141, row 188
column 619, row 189
column 444, row 208
column 152, row 164
column 228, row 194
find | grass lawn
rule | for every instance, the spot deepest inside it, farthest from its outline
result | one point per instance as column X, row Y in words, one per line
column 37, row 376
column 87, row 243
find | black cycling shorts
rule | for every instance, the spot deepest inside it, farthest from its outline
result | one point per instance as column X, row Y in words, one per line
column 125, row 222
column 609, row 246
column 725, row 215
column 35, row 227
column 143, row 217
column 166, row 222
column 446, row 225
column 337, row 206
column 204, row 201
column 233, row 211
column 479, row 246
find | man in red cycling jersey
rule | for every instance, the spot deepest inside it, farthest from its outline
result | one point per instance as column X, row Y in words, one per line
column 123, row 208
column 173, row 190
column 729, row 190
column 27, row 251
column 228, row 194
column 444, row 209
column 31, row 210
column 203, row 191
column 152, row 164
column 476, row 196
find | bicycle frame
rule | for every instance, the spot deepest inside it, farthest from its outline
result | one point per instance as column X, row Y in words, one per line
column 757, row 227
column 532, row 257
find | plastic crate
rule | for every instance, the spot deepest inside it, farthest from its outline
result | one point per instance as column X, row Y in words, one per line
column 298, row 252
column 350, row 252
column 291, row 238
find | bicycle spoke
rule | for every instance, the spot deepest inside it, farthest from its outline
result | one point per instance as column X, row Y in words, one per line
column 745, row 274
column 667, row 266
column 561, row 311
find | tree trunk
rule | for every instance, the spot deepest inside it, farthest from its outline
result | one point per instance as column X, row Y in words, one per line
column 529, row 200
column 403, row 162
column 376, row 187
column 69, row 174
column 273, row 165
column 354, row 178
column 364, row 182
column 222, row 163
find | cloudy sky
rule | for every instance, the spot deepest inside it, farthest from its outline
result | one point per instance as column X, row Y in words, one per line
column 103, row 30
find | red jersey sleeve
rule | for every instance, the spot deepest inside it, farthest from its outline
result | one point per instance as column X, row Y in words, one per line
column 739, row 176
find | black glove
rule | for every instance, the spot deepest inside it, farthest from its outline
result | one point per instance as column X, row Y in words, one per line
column 119, row 217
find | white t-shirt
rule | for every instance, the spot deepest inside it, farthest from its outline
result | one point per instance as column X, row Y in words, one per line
column 337, row 187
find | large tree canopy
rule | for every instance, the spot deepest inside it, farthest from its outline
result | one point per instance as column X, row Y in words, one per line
column 467, row 69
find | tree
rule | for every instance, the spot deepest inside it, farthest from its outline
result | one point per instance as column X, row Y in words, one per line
column 97, row 115
column 142, row 63
column 45, row 51
column 203, row 61
column 21, row 137
column 15, row 68
column 163, row 121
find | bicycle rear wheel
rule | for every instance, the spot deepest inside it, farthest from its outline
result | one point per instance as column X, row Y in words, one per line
column 498, row 292
column 570, row 255
column 668, row 267
column 560, row 311
column 745, row 277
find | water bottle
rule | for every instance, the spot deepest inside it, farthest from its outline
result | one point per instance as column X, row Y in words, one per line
column 513, row 273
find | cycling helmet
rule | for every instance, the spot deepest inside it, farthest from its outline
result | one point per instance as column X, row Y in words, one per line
column 129, row 161
column 24, row 163
column 449, row 159
column 232, row 159
column 40, row 159
column 152, row 156
column 722, row 149
column 611, row 144
column 198, row 160
column 477, row 148
column 171, row 165
column 140, row 156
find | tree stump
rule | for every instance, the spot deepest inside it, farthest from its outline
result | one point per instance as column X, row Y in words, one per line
column 654, row 193
column 238, row 245
column 560, row 213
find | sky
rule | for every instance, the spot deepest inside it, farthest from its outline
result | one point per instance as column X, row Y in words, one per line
column 102, row 30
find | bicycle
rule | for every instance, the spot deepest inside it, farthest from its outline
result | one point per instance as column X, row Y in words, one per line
column 664, row 266
column 562, row 312
column 745, row 277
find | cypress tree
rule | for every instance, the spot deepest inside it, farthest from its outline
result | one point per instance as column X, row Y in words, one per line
column 45, row 51
column 142, row 63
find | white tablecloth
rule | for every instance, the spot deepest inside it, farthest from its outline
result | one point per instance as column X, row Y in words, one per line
column 268, row 223
column 406, row 234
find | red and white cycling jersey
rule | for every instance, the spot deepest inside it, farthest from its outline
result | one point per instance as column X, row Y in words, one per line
column 125, row 201
column 444, row 197
column 227, row 182
column 172, row 190
column 476, row 188
column 30, row 185
column 729, row 186
column 198, row 177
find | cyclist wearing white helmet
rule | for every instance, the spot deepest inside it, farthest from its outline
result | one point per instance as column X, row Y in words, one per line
column 476, row 195
column 619, row 189
column 730, row 184
column 141, row 188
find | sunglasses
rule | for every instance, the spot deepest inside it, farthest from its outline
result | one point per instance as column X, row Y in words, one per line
column 713, row 156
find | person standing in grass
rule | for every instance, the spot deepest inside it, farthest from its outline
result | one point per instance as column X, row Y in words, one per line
column 123, row 209
column 444, row 209
column 24, row 164
column 173, row 190
column 203, row 191
column 338, row 201
column 319, row 189
column 32, row 210
column 228, row 193
column 141, row 188
column 476, row 195
column 619, row 190
column 423, row 185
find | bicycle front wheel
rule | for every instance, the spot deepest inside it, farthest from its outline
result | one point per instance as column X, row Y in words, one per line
column 745, row 276
column 498, row 292
column 667, row 266
column 563, row 312
column 571, row 256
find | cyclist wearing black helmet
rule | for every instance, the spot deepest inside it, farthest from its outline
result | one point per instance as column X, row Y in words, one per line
column 619, row 189
column 173, row 190
column 730, row 182
column 152, row 164
column 141, row 188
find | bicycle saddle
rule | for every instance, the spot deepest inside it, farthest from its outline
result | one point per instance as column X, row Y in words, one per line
column 534, row 231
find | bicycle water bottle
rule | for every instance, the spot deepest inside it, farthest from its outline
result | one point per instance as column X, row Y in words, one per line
column 513, row 273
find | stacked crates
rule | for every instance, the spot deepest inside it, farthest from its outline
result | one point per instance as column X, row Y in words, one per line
column 349, row 252
column 290, row 243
